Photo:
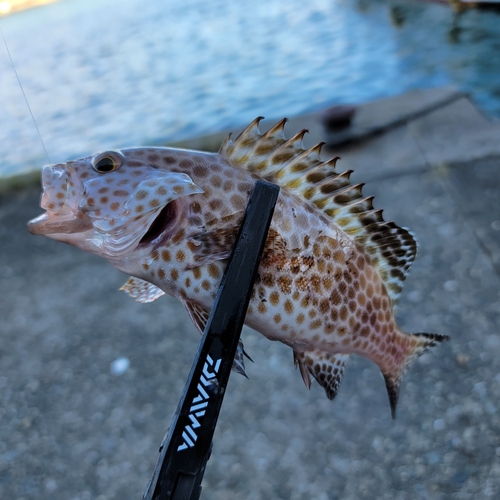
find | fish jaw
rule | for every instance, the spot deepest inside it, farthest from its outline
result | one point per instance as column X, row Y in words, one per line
column 111, row 214
column 52, row 225
column 61, row 191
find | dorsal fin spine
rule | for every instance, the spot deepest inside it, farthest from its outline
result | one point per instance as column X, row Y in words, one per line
column 296, row 169
column 322, row 172
column 285, row 152
column 372, row 217
column 225, row 142
column 249, row 135
column 276, row 130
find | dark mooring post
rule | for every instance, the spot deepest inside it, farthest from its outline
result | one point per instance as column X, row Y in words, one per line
column 186, row 448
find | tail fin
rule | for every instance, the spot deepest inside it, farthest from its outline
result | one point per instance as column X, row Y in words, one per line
column 393, row 380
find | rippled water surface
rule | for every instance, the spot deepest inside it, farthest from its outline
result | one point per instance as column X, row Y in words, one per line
column 114, row 73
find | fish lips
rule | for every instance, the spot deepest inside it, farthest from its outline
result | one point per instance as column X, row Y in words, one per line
column 49, row 224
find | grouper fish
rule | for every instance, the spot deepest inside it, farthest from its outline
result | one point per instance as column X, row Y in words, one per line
column 331, row 271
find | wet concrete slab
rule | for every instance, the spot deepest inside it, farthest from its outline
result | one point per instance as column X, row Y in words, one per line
column 73, row 429
column 377, row 116
column 456, row 133
column 475, row 186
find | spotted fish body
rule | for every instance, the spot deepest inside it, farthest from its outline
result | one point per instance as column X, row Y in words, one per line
column 331, row 270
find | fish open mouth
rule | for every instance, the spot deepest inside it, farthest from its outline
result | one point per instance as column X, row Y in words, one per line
column 163, row 225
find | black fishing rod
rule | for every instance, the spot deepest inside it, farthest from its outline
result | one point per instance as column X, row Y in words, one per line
column 186, row 448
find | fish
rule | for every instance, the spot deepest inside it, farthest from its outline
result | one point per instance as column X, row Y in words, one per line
column 331, row 271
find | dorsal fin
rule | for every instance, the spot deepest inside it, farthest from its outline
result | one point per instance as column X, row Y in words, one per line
column 302, row 172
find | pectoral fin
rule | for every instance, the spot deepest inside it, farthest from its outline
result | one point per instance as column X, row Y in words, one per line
column 326, row 368
column 214, row 244
column 141, row 290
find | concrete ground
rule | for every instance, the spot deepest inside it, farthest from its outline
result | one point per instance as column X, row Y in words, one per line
column 71, row 428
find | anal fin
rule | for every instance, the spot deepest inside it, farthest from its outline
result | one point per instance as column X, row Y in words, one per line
column 326, row 368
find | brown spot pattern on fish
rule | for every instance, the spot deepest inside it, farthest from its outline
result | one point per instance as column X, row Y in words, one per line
column 331, row 271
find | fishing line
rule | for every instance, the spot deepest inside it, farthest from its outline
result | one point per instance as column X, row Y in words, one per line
column 24, row 94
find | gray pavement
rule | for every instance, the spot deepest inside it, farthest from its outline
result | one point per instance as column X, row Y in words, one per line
column 71, row 429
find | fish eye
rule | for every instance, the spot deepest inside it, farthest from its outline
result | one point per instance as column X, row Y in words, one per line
column 107, row 162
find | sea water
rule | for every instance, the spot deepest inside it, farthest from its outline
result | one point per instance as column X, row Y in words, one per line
column 118, row 73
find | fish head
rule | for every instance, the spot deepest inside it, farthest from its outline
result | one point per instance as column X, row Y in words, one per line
column 112, row 203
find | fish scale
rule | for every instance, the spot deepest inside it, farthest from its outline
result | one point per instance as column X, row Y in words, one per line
column 331, row 271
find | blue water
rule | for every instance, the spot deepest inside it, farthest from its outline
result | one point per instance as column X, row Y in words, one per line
column 114, row 73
